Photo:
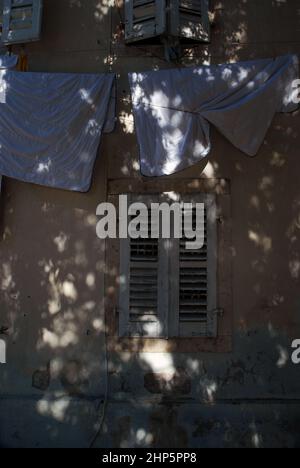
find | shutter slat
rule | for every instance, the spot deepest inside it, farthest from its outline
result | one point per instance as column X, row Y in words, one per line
column 145, row 318
column 190, row 317
column 193, row 267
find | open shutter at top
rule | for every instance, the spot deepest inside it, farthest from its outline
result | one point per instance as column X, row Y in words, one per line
column 144, row 19
column 21, row 21
column 189, row 19
column 194, row 278
column 143, row 303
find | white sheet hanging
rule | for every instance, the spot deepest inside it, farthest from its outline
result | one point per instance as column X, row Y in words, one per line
column 173, row 109
column 51, row 126
column 7, row 62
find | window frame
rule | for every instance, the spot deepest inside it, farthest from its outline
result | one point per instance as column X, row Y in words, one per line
column 223, row 341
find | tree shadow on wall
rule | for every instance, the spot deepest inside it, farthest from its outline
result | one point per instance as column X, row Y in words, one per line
column 52, row 270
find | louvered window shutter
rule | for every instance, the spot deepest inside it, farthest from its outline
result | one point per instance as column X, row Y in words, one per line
column 21, row 21
column 144, row 19
column 143, row 305
column 194, row 279
column 189, row 19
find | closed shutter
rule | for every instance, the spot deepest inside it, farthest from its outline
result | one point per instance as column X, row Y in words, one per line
column 166, row 289
column 21, row 21
column 143, row 305
column 144, row 19
column 194, row 277
column 189, row 19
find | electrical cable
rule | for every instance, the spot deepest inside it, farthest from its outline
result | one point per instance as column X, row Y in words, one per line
column 106, row 370
column 105, row 401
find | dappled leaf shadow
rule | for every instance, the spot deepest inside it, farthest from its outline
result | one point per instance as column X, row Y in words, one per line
column 52, row 267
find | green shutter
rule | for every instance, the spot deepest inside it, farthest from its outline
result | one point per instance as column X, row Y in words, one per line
column 167, row 290
column 144, row 19
column 193, row 295
column 21, row 21
column 143, row 302
column 189, row 19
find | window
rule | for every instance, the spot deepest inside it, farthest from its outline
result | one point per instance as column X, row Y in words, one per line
column 162, row 296
column 144, row 19
column 20, row 21
column 166, row 289
column 189, row 20
column 184, row 19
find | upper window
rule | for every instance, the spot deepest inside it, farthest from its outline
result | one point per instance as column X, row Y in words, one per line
column 184, row 19
column 20, row 21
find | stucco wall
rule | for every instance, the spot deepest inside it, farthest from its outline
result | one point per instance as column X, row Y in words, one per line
column 52, row 267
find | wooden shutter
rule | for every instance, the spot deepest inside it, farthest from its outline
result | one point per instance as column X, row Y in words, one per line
column 189, row 19
column 143, row 304
column 167, row 290
column 21, row 21
column 193, row 294
column 144, row 19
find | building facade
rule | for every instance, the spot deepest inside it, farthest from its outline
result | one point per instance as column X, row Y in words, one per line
column 70, row 380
